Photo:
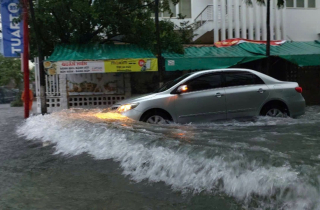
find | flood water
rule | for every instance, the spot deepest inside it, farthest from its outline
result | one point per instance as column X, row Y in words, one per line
column 84, row 159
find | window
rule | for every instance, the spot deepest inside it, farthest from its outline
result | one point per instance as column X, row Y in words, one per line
column 311, row 3
column 301, row 3
column 289, row 3
column 205, row 82
column 241, row 78
column 185, row 8
column 167, row 14
column 173, row 10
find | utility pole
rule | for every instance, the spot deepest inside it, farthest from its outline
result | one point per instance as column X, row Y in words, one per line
column 160, row 59
column 26, row 58
column 268, row 37
column 41, row 58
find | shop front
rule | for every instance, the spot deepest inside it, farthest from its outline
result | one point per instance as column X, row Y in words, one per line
column 92, row 76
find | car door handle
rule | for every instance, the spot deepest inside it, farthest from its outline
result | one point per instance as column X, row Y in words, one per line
column 260, row 90
column 218, row 95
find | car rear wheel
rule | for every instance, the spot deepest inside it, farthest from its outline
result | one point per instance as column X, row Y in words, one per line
column 156, row 117
column 274, row 111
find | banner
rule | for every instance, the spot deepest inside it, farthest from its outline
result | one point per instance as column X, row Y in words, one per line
column 11, row 30
column 131, row 65
column 95, row 84
column 109, row 66
column 232, row 42
column 73, row 67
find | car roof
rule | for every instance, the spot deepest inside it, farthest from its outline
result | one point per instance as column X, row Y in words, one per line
column 264, row 77
column 217, row 70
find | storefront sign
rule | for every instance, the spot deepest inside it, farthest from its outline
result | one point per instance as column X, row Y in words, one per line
column 11, row 30
column 131, row 65
column 109, row 66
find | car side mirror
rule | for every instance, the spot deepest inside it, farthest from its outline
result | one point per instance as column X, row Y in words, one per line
column 182, row 89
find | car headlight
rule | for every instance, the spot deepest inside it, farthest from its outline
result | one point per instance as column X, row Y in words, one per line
column 127, row 107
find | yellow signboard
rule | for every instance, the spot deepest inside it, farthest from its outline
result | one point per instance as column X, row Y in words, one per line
column 131, row 65
column 108, row 66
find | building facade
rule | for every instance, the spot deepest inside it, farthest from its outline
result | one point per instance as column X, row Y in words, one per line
column 216, row 20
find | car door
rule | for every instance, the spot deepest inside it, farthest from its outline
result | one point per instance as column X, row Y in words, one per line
column 204, row 101
column 245, row 93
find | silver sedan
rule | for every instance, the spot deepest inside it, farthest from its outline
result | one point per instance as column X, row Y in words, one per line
column 220, row 94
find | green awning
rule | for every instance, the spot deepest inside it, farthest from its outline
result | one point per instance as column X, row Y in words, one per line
column 98, row 52
column 299, row 53
column 200, row 58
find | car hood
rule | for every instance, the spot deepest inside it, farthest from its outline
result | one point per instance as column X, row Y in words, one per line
column 137, row 98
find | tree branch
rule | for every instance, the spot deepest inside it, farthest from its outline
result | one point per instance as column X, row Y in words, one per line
column 62, row 36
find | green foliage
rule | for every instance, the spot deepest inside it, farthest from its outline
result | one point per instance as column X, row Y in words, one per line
column 186, row 32
column 17, row 103
column 100, row 21
column 10, row 70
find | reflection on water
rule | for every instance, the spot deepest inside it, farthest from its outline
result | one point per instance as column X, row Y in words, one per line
column 264, row 163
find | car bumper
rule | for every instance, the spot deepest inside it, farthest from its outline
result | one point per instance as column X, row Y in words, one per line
column 133, row 114
column 297, row 107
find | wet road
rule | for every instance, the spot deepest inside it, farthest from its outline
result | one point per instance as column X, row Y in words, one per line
column 83, row 159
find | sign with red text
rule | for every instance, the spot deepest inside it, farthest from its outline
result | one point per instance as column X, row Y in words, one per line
column 74, row 67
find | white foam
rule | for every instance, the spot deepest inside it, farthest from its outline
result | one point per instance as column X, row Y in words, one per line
column 146, row 156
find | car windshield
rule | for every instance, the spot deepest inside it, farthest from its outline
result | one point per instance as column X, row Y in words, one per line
column 171, row 83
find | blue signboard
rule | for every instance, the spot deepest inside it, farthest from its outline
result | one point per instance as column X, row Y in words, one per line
column 11, row 30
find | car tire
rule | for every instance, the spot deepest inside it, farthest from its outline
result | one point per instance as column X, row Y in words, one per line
column 274, row 111
column 156, row 117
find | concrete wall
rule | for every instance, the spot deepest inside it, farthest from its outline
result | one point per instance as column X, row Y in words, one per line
column 300, row 24
column 303, row 24
column 198, row 6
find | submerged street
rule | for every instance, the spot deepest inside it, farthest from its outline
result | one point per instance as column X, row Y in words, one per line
column 85, row 159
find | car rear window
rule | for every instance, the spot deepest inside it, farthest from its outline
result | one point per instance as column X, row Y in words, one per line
column 241, row 78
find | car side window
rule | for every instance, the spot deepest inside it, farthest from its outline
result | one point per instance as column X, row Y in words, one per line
column 241, row 78
column 205, row 82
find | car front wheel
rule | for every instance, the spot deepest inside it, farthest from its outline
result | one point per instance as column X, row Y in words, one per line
column 156, row 117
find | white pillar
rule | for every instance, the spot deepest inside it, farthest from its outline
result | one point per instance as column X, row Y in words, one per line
column 278, row 22
column 250, row 26
column 264, row 22
column 257, row 21
column 230, row 19
column 38, row 87
column 223, row 20
column 272, row 6
column 243, row 20
column 215, row 21
column 283, row 24
column 63, row 91
column 237, row 18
